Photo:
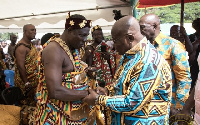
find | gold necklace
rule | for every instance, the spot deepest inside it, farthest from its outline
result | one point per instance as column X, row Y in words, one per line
column 66, row 49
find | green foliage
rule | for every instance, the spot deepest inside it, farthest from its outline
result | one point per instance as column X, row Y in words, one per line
column 5, row 36
column 172, row 14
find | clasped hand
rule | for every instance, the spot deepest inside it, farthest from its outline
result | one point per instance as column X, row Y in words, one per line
column 93, row 94
column 105, row 55
column 91, row 71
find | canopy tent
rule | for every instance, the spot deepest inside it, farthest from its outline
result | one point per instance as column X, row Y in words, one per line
column 48, row 15
column 160, row 3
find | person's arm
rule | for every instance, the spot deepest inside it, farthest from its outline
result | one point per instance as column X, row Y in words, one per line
column 181, row 69
column 189, row 104
column 135, row 99
column 195, row 45
column 20, row 54
column 52, row 58
column 188, row 43
column 88, row 56
column 9, row 50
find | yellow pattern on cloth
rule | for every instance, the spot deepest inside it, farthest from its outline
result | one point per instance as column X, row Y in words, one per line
column 55, row 111
column 3, row 64
column 175, row 54
column 31, row 72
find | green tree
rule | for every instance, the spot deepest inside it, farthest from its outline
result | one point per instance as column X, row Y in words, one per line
column 172, row 14
column 5, row 36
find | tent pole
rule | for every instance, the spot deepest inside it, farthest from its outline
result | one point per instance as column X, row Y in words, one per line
column 182, row 12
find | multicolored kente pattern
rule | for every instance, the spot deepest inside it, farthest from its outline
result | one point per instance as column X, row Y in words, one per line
column 141, row 94
column 31, row 72
column 104, row 71
column 174, row 52
column 53, row 111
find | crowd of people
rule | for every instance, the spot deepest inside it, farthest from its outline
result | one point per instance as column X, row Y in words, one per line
column 140, row 77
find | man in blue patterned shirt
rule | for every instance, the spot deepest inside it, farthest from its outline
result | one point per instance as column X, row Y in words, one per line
column 175, row 54
column 141, row 90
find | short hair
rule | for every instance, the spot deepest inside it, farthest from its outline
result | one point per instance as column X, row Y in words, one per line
column 196, row 23
column 46, row 37
column 12, row 34
column 78, row 16
column 25, row 27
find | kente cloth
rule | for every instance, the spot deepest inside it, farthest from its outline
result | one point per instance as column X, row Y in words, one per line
column 31, row 72
column 141, row 93
column 175, row 53
column 118, row 58
column 2, row 63
column 54, row 111
column 197, row 97
column 105, row 70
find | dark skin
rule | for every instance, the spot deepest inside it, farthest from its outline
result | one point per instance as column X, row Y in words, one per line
column 54, row 69
column 97, row 36
column 179, row 33
column 126, row 34
column 13, row 39
column 189, row 104
column 22, row 51
column 195, row 45
column 150, row 26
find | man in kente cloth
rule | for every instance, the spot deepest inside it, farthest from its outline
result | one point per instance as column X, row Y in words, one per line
column 25, row 55
column 99, row 55
column 62, row 78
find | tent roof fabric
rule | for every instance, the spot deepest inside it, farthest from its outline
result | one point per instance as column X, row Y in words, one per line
column 51, row 14
column 160, row 3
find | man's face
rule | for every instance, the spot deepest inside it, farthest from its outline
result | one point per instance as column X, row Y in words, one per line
column 13, row 39
column 97, row 36
column 30, row 32
column 120, row 43
column 79, row 37
column 3, row 44
column 176, row 34
column 147, row 29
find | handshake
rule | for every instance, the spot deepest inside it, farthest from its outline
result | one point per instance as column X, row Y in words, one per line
column 94, row 95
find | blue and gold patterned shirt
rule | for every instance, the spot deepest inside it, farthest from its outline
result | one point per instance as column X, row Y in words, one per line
column 174, row 52
column 141, row 93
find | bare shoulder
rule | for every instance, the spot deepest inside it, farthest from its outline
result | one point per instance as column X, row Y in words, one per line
column 21, row 48
column 53, row 54
column 53, row 49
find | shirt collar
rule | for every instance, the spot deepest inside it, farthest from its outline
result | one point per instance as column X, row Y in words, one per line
column 137, row 47
column 158, row 39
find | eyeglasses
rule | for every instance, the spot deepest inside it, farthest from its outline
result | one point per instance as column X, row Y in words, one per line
column 145, row 26
column 127, row 34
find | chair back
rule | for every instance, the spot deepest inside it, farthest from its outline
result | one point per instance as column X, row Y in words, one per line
column 12, row 95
